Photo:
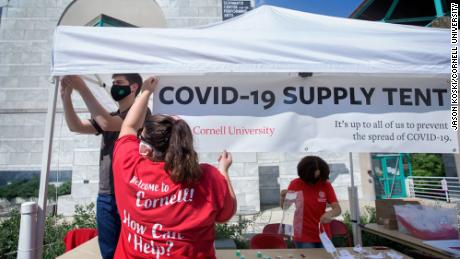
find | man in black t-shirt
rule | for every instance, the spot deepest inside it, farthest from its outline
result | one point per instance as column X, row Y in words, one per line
column 124, row 90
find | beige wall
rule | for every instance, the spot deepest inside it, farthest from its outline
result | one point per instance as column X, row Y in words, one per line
column 141, row 13
column 367, row 181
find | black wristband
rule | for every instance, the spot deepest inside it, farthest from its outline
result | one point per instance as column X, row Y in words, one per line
column 96, row 126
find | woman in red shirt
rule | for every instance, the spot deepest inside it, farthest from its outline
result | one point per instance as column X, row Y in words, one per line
column 317, row 191
column 167, row 201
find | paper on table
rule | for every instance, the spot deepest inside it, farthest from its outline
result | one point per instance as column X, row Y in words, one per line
column 451, row 246
column 345, row 254
column 327, row 243
column 377, row 256
column 394, row 255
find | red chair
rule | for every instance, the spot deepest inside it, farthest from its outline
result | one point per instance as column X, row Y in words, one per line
column 267, row 241
column 78, row 236
column 339, row 229
column 274, row 229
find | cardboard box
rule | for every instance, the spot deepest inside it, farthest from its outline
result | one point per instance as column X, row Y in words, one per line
column 390, row 224
column 384, row 209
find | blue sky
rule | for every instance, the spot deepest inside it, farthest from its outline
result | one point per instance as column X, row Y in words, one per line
column 342, row 8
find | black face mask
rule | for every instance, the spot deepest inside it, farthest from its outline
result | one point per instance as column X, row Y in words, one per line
column 120, row 91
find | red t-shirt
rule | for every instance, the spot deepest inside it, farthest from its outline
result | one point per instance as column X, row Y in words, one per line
column 315, row 199
column 162, row 219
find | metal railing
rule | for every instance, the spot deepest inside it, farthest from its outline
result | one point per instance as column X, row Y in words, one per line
column 435, row 188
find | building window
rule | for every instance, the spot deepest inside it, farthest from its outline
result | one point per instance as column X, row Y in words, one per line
column 446, row 6
column 269, row 187
column 405, row 9
column 103, row 20
column 375, row 11
column 7, row 177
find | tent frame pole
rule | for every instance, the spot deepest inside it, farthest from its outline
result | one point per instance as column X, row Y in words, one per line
column 354, row 206
column 45, row 169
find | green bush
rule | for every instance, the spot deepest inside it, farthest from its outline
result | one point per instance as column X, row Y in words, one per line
column 85, row 216
column 9, row 235
column 64, row 189
column 55, row 229
column 427, row 165
column 29, row 188
column 234, row 232
column 23, row 189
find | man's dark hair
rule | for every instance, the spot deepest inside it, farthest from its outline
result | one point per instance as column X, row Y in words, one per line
column 307, row 167
column 132, row 79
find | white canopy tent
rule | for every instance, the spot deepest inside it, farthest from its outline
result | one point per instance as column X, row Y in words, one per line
column 267, row 39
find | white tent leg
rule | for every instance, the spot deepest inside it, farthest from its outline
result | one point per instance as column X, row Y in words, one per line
column 27, row 240
column 44, row 173
column 354, row 206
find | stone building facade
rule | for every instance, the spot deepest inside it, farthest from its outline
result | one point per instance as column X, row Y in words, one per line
column 26, row 39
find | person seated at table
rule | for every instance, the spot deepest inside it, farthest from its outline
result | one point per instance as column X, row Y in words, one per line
column 317, row 192
column 168, row 202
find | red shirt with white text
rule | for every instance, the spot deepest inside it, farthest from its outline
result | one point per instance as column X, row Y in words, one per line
column 160, row 218
column 315, row 198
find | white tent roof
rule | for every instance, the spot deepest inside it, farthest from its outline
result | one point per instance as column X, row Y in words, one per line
column 267, row 39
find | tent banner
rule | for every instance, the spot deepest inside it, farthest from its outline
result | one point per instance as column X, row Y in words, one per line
column 324, row 112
